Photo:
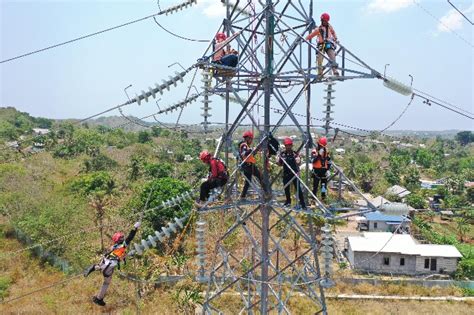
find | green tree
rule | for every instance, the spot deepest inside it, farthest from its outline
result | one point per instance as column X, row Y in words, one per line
column 423, row 157
column 98, row 187
column 462, row 227
column 158, row 170
column 99, row 162
column 156, row 131
column 416, row 201
column 412, row 179
column 465, row 137
column 144, row 136
column 156, row 192
column 135, row 167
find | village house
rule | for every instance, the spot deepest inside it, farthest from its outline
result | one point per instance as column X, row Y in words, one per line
column 40, row 131
column 399, row 191
column 379, row 222
column 399, row 254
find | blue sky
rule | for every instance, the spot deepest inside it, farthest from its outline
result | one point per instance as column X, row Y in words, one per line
column 88, row 76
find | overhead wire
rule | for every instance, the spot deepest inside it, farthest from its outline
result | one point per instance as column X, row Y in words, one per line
column 442, row 23
column 42, row 288
column 460, row 12
column 429, row 101
column 443, row 101
column 80, row 38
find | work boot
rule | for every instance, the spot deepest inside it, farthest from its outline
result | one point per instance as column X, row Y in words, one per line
column 89, row 270
column 98, row 301
column 198, row 204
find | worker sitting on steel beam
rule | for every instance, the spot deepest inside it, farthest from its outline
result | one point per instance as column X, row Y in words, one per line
column 226, row 57
column 327, row 40
column 217, row 176
column 290, row 161
column 321, row 164
column 112, row 259
column 248, row 162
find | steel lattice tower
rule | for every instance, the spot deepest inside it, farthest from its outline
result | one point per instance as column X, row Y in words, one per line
column 265, row 274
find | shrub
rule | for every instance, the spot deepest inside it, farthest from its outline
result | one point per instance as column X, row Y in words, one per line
column 99, row 162
column 98, row 182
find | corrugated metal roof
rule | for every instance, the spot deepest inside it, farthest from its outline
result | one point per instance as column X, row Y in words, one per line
column 398, row 190
column 378, row 216
column 399, row 243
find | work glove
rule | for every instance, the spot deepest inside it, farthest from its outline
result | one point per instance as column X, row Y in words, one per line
column 328, row 173
column 298, row 160
column 137, row 224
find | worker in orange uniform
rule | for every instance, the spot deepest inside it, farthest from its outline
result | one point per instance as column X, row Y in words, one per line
column 112, row 259
column 217, row 176
column 327, row 40
column 321, row 161
column 248, row 162
column 227, row 57
column 290, row 160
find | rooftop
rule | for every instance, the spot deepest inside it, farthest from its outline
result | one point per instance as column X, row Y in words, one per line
column 378, row 216
column 398, row 190
column 383, row 242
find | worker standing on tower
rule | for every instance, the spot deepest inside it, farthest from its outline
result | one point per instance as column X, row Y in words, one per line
column 321, row 164
column 290, row 161
column 327, row 40
column 248, row 162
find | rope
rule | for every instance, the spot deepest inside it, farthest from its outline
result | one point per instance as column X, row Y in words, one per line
column 179, row 36
column 399, row 116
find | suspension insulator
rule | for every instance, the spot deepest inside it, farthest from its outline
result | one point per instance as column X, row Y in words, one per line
column 201, row 250
column 397, row 86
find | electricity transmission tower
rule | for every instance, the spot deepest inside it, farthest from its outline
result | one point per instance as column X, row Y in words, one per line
column 273, row 57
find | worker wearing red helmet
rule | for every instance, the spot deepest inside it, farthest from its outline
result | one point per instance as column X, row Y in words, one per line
column 290, row 160
column 327, row 40
column 249, row 168
column 227, row 57
column 217, row 176
column 321, row 161
column 112, row 259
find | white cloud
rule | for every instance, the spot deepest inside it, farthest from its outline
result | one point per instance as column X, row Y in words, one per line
column 388, row 6
column 212, row 8
column 453, row 20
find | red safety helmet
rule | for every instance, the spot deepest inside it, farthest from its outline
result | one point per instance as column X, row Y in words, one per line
column 204, row 156
column 221, row 36
column 288, row 141
column 117, row 237
column 325, row 17
column 323, row 141
column 248, row 133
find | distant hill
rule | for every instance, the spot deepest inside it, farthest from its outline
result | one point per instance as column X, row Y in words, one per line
column 14, row 123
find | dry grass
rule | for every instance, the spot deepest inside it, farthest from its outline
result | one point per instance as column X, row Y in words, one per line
column 394, row 289
column 28, row 274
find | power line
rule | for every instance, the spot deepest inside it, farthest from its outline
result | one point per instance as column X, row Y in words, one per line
column 447, row 103
column 460, row 12
column 80, row 38
column 428, row 101
column 442, row 23
column 42, row 288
